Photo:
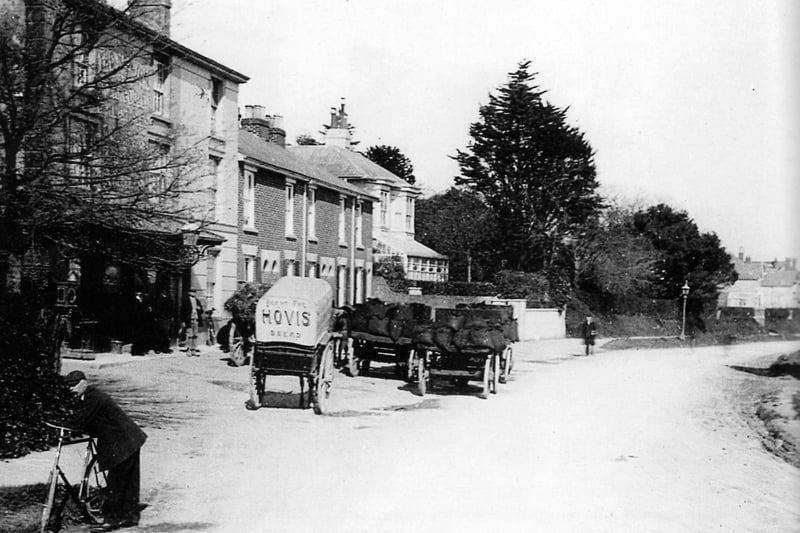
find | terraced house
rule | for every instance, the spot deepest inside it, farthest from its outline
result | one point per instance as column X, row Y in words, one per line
column 135, row 147
column 297, row 219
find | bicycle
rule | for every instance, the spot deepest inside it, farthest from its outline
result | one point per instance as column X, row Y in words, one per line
column 211, row 335
column 90, row 493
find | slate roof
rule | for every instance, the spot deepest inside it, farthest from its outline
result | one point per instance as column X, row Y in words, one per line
column 409, row 246
column 279, row 159
column 781, row 278
column 347, row 164
column 749, row 270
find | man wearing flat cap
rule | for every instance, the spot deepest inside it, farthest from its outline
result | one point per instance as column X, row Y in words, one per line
column 119, row 440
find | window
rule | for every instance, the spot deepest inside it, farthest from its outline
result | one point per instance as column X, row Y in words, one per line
column 160, row 168
column 385, row 209
column 249, row 268
column 359, row 224
column 290, row 268
column 342, row 220
column 213, row 170
column 217, row 91
column 160, row 86
column 290, row 210
column 410, row 215
column 312, row 213
column 249, row 198
column 81, row 137
column 83, row 63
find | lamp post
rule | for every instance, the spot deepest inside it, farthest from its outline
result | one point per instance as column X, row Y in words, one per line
column 685, row 294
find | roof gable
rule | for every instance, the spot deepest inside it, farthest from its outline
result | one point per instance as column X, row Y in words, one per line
column 253, row 147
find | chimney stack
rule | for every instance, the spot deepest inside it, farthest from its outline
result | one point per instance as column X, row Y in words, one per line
column 741, row 253
column 268, row 127
column 152, row 13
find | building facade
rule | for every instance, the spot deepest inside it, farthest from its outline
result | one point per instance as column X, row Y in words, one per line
column 182, row 106
column 297, row 219
column 393, row 227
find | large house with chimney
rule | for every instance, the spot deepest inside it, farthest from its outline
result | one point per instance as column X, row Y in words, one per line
column 184, row 102
column 298, row 219
column 393, row 227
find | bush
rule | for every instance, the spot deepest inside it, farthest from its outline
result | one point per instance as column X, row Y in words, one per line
column 391, row 269
column 242, row 305
column 31, row 391
column 458, row 288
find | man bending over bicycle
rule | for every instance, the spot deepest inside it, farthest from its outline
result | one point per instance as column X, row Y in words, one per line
column 119, row 440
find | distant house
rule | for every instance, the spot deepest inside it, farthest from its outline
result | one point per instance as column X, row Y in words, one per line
column 763, row 285
column 393, row 228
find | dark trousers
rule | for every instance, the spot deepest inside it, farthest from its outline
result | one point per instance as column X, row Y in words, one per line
column 122, row 501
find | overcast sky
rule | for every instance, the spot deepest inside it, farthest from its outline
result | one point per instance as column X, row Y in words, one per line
column 693, row 103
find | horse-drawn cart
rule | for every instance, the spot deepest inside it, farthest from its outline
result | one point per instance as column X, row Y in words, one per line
column 383, row 332
column 465, row 344
column 293, row 337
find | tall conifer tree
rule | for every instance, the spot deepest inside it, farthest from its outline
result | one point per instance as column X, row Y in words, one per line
column 533, row 169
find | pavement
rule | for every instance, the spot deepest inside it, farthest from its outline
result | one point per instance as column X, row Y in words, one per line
column 34, row 467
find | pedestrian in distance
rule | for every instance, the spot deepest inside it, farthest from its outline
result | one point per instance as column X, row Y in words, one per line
column 143, row 324
column 119, row 441
column 192, row 320
column 162, row 309
column 589, row 333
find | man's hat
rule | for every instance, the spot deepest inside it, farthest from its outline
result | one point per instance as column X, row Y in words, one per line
column 74, row 377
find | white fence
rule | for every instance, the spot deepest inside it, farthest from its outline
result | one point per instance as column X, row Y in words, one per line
column 535, row 324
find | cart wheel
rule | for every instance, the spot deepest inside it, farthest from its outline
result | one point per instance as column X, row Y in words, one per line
column 256, row 390
column 321, row 390
column 363, row 367
column 422, row 378
column 352, row 359
column 506, row 365
column 487, row 378
column 495, row 372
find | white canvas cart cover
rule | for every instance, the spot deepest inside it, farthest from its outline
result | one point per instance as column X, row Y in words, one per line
column 295, row 310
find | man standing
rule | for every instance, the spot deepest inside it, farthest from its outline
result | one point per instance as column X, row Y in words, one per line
column 589, row 332
column 192, row 318
column 119, row 441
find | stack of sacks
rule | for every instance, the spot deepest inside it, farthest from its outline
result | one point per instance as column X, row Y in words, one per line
column 469, row 329
column 389, row 320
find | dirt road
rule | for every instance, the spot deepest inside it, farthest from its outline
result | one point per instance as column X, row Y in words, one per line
column 655, row 440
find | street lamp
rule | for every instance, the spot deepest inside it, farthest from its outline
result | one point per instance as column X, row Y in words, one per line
column 685, row 294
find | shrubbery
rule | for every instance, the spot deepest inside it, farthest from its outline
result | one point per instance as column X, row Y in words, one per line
column 31, row 392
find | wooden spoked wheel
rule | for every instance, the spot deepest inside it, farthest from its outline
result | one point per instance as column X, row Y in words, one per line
column 422, row 374
column 322, row 386
column 487, row 377
column 257, row 383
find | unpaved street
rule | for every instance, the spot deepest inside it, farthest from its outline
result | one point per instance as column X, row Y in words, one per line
column 622, row 441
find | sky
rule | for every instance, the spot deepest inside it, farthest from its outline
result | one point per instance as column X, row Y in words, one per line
column 689, row 103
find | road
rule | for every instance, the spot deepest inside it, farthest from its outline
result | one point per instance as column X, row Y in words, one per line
column 656, row 440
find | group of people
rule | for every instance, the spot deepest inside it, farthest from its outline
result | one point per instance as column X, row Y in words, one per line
column 152, row 320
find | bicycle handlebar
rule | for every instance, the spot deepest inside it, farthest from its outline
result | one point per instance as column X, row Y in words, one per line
column 65, row 433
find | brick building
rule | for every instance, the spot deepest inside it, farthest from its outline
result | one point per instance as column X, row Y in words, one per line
column 393, row 228
column 296, row 218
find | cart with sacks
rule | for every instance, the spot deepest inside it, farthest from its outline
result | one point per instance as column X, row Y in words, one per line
column 294, row 336
column 465, row 344
column 383, row 332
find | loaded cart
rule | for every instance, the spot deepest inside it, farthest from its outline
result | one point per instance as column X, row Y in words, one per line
column 382, row 332
column 463, row 344
column 293, row 337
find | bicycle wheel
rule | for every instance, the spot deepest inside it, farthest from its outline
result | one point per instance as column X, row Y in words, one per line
column 93, row 492
column 49, row 502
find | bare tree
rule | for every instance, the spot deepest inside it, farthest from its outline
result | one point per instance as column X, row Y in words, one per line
column 79, row 172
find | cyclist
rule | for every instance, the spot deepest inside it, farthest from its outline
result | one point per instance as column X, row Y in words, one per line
column 119, row 440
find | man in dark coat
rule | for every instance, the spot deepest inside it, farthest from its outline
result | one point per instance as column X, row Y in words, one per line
column 119, row 440
column 589, row 332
